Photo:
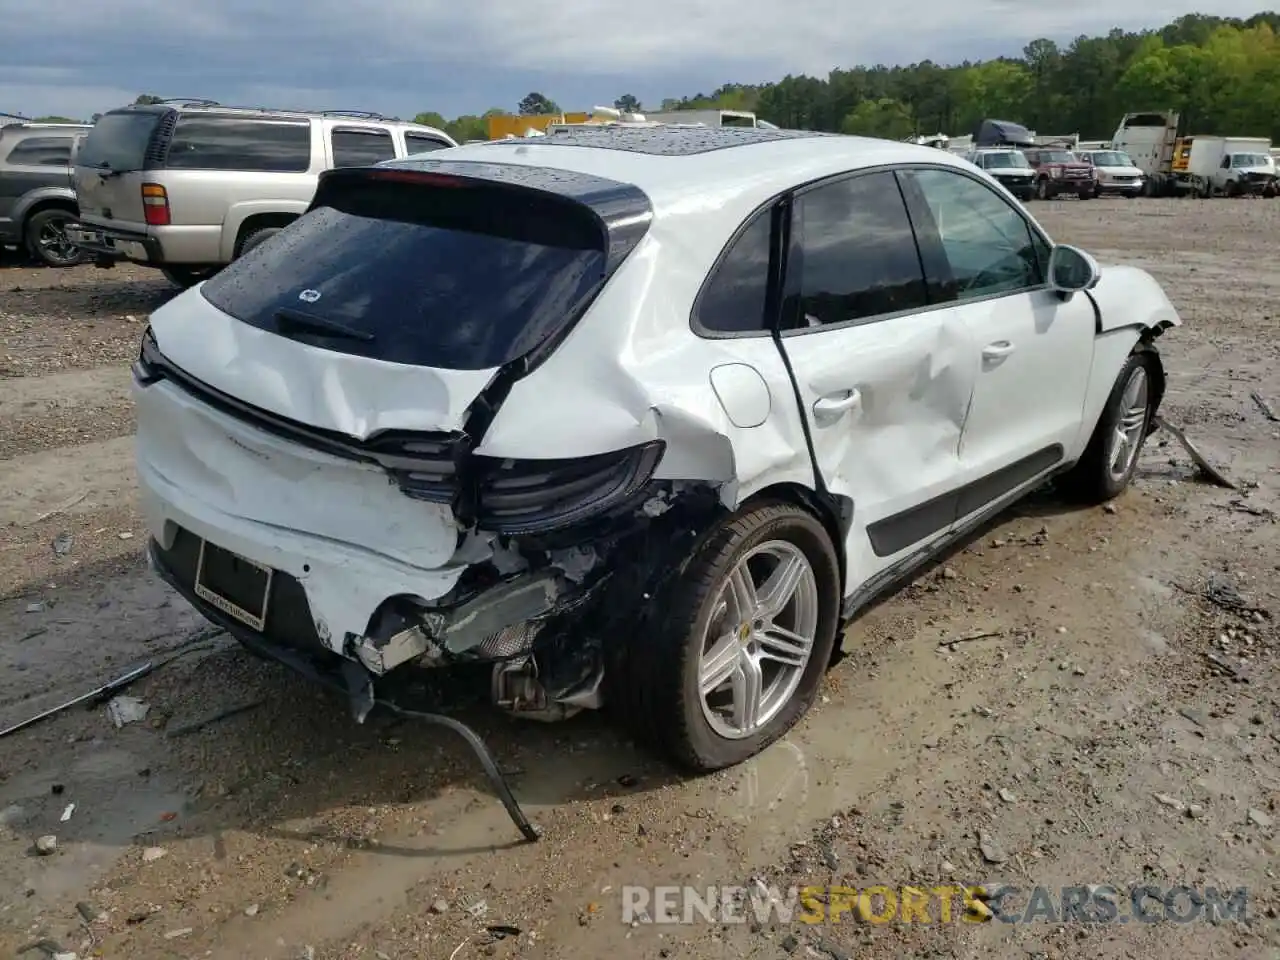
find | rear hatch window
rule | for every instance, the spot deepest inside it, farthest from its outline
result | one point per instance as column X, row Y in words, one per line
column 118, row 141
column 420, row 269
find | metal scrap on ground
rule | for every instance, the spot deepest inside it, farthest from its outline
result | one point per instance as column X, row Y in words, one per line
column 1208, row 470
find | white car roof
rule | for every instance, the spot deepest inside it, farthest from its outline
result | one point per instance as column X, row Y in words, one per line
column 682, row 169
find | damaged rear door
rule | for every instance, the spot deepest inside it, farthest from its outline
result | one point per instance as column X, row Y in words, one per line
column 884, row 368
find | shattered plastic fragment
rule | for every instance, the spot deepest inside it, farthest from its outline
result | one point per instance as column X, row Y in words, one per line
column 125, row 709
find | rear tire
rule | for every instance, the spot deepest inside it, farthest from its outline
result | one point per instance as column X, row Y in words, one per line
column 186, row 277
column 711, row 627
column 255, row 237
column 1109, row 461
column 46, row 238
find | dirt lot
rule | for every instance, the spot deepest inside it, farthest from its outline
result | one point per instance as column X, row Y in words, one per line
column 1092, row 740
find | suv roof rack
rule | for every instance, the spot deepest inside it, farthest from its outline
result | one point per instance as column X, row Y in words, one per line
column 361, row 114
column 192, row 101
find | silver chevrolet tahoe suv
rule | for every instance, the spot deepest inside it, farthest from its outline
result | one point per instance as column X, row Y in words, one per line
column 187, row 186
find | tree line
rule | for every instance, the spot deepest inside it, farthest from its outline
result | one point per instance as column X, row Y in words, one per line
column 1222, row 74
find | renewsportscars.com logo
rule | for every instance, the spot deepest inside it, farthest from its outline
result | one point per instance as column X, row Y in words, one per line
column 763, row 904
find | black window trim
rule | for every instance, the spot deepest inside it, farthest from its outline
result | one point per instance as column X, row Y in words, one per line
column 780, row 273
column 424, row 135
column 166, row 138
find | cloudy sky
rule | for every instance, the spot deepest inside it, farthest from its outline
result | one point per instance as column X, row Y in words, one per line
column 79, row 57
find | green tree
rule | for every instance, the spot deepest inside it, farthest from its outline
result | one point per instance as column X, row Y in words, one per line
column 627, row 103
column 145, row 99
column 535, row 104
column 56, row 119
column 886, row 117
column 431, row 119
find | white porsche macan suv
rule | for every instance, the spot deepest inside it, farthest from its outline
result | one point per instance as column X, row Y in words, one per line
column 641, row 415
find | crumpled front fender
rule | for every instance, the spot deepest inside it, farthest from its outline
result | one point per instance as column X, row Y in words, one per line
column 1131, row 297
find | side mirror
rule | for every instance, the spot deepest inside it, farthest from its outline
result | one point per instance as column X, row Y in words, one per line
column 1072, row 270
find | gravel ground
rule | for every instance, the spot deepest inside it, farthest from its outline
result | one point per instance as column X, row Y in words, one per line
column 1120, row 726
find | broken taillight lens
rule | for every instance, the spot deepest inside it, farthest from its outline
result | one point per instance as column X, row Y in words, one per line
column 536, row 496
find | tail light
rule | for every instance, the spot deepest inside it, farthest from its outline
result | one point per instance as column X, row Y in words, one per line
column 536, row 496
column 155, row 205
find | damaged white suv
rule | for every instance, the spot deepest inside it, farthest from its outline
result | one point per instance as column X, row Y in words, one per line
column 640, row 415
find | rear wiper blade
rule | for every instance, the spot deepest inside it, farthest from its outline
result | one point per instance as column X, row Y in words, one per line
column 288, row 319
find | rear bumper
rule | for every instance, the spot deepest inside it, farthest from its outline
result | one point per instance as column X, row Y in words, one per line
column 112, row 245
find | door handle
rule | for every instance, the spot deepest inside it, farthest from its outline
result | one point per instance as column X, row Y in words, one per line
column 997, row 350
column 832, row 405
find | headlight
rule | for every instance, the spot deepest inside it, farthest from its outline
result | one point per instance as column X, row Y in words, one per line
column 147, row 369
column 1055, row 172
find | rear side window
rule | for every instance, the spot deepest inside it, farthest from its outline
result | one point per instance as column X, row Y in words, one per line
column 456, row 277
column 42, row 152
column 858, row 253
column 422, row 142
column 231, row 143
column 361, row 148
column 735, row 299
column 118, row 141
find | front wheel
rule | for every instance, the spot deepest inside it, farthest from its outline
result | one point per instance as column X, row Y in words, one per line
column 745, row 636
column 1042, row 190
column 46, row 237
column 1109, row 461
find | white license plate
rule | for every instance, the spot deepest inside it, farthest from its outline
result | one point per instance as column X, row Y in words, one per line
column 236, row 585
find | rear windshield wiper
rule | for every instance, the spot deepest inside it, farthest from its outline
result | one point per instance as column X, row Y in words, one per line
column 290, row 320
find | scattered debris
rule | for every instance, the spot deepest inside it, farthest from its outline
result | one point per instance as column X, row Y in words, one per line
column 89, row 912
column 67, row 812
column 970, row 638
column 46, row 845
column 1258, row 818
column 1195, row 811
column 1172, row 802
column 1226, row 668
column 61, row 507
column 1008, row 796
column 478, row 909
column 184, row 729
column 62, row 544
column 500, row 931
column 439, row 906
column 126, row 535
column 1205, row 468
column 123, row 710
column 1265, row 407
column 36, row 606
column 151, row 854
column 990, row 848
column 181, row 932
column 251, row 910
column 93, row 695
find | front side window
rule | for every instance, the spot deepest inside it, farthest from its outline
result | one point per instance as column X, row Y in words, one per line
column 735, row 299
column 422, row 143
column 361, row 148
column 202, row 142
column 858, row 253
column 989, row 245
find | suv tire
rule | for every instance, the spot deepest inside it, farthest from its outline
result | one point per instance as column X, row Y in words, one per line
column 661, row 695
column 187, row 277
column 1042, row 189
column 46, row 238
column 255, row 237
column 1128, row 414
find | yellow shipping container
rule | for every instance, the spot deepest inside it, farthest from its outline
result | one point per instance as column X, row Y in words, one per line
column 503, row 126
